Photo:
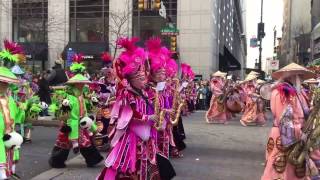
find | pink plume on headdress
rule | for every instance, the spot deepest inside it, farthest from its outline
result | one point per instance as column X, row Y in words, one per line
column 127, row 43
column 132, row 58
column 77, row 57
column 157, row 56
column 153, row 44
column 13, row 47
column 171, row 68
column 106, row 57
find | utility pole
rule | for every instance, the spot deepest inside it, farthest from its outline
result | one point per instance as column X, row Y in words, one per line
column 261, row 35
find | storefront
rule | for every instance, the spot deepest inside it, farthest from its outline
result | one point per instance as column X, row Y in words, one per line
column 30, row 21
column 227, row 62
column 89, row 28
column 147, row 22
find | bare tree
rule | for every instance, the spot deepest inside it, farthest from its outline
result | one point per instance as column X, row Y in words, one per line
column 118, row 26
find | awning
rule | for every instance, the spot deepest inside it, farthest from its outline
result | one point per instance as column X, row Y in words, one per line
column 90, row 50
column 36, row 51
column 227, row 62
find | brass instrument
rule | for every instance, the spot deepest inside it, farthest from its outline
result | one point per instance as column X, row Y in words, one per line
column 159, row 113
column 177, row 105
column 300, row 150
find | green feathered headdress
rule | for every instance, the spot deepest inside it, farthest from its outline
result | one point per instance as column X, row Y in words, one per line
column 77, row 66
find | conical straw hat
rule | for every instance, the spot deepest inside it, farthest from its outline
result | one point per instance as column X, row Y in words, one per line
column 254, row 73
column 219, row 74
column 259, row 81
column 311, row 81
column 291, row 70
column 250, row 77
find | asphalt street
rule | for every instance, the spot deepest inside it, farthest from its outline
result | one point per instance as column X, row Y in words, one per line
column 214, row 152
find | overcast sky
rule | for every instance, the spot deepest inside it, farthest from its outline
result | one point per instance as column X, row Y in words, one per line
column 272, row 16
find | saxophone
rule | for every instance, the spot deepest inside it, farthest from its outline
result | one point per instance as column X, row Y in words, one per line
column 177, row 105
column 300, row 150
column 159, row 113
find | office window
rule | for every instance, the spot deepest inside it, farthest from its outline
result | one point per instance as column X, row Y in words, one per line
column 89, row 20
column 30, row 19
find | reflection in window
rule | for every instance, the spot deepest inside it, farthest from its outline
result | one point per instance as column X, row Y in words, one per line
column 89, row 20
column 30, row 20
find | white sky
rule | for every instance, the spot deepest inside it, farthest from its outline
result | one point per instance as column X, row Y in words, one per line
column 272, row 16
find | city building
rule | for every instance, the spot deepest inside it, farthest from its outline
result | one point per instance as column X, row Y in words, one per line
column 315, row 33
column 209, row 34
column 295, row 43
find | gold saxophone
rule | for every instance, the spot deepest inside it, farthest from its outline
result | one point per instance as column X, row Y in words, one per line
column 177, row 105
column 158, row 112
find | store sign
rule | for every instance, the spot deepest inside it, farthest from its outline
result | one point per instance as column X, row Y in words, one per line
column 170, row 30
column 88, row 57
column 274, row 64
column 70, row 54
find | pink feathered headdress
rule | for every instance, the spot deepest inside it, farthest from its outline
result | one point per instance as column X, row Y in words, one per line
column 171, row 68
column 187, row 71
column 157, row 55
column 132, row 58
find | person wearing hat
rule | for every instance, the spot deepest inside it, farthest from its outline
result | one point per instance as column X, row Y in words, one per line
column 10, row 141
column 253, row 112
column 129, row 157
column 289, row 106
column 217, row 112
column 77, row 130
column 57, row 75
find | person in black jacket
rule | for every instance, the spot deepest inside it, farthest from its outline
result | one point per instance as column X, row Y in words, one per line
column 57, row 75
column 44, row 91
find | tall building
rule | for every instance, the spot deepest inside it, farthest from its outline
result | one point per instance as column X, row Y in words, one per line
column 210, row 34
column 315, row 33
column 296, row 29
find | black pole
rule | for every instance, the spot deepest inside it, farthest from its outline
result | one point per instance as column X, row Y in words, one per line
column 260, row 45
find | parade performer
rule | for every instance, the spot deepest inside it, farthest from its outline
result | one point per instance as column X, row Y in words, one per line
column 176, row 106
column 77, row 127
column 133, row 153
column 217, row 112
column 10, row 141
column 290, row 109
column 253, row 113
column 188, row 92
column 105, row 91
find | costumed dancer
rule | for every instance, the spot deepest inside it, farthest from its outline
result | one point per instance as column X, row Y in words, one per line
column 176, row 104
column 187, row 76
column 253, row 115
column 105, row 91
column 290, row 109
column 10, row 141
column 218, row 112
column 76, row 127
column 133, row 153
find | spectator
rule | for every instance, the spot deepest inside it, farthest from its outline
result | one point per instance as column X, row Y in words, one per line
column 44, row 92
column 57, row 75
column 202, row 97
column 208, row 95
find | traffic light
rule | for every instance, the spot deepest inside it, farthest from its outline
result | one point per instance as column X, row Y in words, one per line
column 141, row 5
column 261, row 32
column 157, row 4
column 173, row 42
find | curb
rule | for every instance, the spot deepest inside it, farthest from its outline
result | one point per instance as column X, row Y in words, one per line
column 46, row 123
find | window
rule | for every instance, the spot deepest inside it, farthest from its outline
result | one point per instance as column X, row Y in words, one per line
column 151, row 22
column 89, row 20
column 30, row 20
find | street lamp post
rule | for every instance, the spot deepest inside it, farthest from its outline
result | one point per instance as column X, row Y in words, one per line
column 261, row 35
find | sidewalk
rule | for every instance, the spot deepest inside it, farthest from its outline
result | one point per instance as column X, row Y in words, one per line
column 76, row 170
column 47, row 121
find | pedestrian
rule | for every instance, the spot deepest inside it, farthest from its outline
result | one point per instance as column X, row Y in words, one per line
column 44, row 92
column 57, row 75
column 208, row 95
column 202, row 93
